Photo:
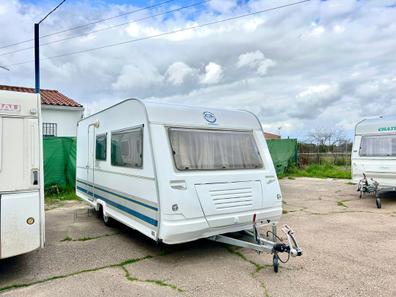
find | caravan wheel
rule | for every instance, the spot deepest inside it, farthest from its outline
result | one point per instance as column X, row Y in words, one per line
column 275, row 262
column 378, row 202
column 108, row 221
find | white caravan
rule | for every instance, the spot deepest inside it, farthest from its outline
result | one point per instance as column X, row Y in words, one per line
column 177, row 173
column 21, row 182
column 374, row 156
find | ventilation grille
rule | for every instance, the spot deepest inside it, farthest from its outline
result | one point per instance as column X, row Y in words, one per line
column 235, row 198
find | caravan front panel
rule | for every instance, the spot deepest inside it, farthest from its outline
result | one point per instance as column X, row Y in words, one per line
column 21, row 197
column 374, row 151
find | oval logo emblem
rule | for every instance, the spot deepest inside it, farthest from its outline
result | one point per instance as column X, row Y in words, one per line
column 209, row 117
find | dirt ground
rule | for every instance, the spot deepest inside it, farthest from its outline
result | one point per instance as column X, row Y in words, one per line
column 349, row 247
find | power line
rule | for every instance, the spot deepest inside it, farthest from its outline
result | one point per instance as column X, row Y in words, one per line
column 92, row 23
column 56, row 7
column 165, row 33
column 108, row 28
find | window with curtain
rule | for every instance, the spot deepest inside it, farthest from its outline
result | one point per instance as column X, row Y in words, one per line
column 378, row 146
column 127, row 148
column 199, row 149
column 101, row 144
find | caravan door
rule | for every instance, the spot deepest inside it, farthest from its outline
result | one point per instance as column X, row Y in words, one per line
column 91, row 157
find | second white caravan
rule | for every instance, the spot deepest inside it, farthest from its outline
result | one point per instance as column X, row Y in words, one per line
column 374, row 155
column 177, row 173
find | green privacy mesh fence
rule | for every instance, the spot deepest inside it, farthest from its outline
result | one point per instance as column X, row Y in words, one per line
column 59, row 162
column 60, row 159
column 283, row 153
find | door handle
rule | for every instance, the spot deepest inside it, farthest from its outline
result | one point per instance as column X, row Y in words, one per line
column 35, row 177
column 178, row 184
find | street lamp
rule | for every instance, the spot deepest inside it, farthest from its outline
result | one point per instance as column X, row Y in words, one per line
column 37, row 49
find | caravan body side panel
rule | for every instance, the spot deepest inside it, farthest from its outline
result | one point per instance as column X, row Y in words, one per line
column 380, row 168
column 128, row 195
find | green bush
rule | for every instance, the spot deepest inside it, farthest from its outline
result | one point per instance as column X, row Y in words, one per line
column 320, row 171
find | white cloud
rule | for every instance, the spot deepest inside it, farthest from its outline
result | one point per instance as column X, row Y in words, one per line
column 223, row 6
column 255, row 60
column 312, row 64
column 178, row 72
column 133, row 78
column 213, row 74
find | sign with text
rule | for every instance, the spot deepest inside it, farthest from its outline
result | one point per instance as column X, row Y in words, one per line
column 10, row 108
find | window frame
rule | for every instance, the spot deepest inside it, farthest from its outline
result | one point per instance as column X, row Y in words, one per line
column 105, row 147
column 48, row 127
column 126, row 130
column 376, row 155
column 251, row 132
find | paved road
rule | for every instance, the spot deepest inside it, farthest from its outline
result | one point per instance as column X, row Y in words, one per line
column 349, row 248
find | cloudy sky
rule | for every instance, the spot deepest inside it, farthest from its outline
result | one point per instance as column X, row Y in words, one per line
column 316, row 64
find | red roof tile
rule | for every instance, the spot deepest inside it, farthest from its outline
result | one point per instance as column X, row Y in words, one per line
column 269, row 135
column 48, row 97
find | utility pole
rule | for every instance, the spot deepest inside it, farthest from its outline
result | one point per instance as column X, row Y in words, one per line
column 37, row 49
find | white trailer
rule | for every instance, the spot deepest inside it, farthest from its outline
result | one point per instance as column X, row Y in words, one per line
column 21, row 180
column 374, row 156
column 179, row 173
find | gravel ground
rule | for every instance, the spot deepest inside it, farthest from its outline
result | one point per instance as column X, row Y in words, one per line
column 348, row 251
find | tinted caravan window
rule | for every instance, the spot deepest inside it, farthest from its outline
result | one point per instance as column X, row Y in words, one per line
column 127, row 148
column 195, row 149
column 101, row 147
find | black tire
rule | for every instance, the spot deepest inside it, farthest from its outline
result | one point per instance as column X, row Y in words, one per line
column 99, row 212
column 275, row 262
column 378, row 202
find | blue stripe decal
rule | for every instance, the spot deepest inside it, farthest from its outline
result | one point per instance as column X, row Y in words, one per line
column 122, row 207
column 118, row 195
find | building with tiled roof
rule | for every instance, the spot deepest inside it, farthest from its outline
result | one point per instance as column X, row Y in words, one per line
column 269, row 135
column 60, row 114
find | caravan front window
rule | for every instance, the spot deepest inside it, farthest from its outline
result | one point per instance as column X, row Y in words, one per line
column 378, row 146
column 199, row 149
column 127, row 148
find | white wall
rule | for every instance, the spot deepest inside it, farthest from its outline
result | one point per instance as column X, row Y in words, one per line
column 66, row 119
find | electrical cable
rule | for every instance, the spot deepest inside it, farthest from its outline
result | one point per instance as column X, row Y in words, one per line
column 92, row 23
column 108, row 28
column 162, row 34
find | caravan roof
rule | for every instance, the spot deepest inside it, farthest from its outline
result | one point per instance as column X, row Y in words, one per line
column 183, row 115
column 377, row 125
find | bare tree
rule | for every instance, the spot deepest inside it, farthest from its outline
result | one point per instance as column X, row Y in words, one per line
column 327, row 137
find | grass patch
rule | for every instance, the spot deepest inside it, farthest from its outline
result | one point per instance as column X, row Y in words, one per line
column 321, row 171
column 87, row 238
column 60, row 196
column 342, row 203
column 243, row 257
column 121, row 265
column 284, row 211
